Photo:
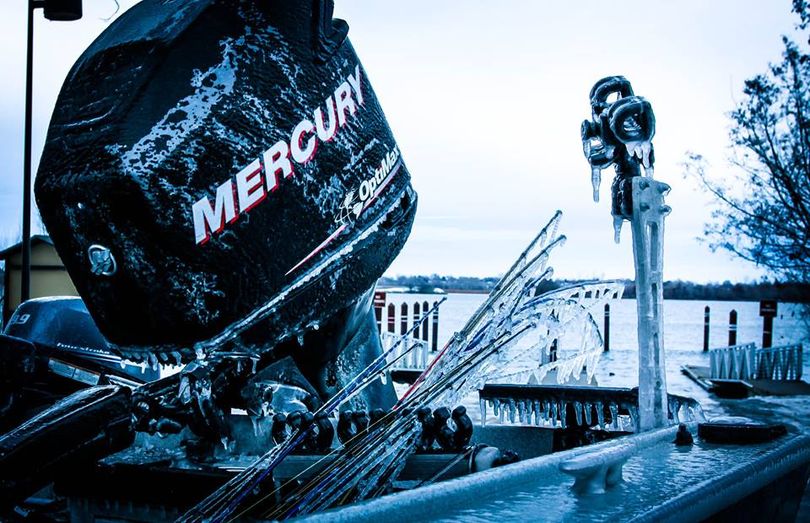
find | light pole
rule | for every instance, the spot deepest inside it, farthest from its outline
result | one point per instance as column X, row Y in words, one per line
column 57, row 10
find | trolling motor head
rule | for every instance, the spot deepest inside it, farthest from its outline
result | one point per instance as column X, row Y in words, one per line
column 220, row 173
column 619, row 133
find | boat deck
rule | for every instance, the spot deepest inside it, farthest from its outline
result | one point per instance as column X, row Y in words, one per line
column 662, row 482
column 729, row 388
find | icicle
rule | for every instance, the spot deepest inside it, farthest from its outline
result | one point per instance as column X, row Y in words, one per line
column 482, row 406
column 600, row 415
column 502, row 415
column 588, row 417
column 254, row 420
column 578, row 412
column 512, row 410
column 521, row 411
column 674, row 407
column 496, row 407
column 596, row 181
column 554, row 413
column 563, row 410
column 633, row 410
column 617, row 228
column 614, row 414
column 546, row 412
column 153, row 362
column 224, row 441
column 537, row 412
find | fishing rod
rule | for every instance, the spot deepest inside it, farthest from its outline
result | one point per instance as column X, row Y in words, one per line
column 504, row 287
column 349, row 466
column 256, row 474
column 497, row 293
column 353, row 461
column 354, row 444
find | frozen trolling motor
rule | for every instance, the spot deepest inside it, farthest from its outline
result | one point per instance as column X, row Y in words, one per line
column 223, row 188
column 620, row 133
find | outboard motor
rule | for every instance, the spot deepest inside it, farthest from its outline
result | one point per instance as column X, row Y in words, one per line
column 51, row 348
column 218, row 176
column 63, row 333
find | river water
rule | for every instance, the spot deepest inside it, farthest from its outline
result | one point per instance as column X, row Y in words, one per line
column 683, row 341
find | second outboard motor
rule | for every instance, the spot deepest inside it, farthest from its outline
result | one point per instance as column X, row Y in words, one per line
column 51, row 348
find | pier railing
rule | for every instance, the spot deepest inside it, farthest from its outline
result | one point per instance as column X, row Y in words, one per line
column 780, row 363
column 733, row 363
column 744, row 362
column 416, row 359
column 397, row 316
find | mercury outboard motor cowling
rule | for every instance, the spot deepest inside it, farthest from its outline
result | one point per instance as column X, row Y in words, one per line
column 219, row 173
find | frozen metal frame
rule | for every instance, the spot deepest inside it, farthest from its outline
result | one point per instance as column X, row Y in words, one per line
column 647, row 225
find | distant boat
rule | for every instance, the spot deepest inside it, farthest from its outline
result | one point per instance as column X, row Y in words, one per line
column 395, row 290
column 412, row 290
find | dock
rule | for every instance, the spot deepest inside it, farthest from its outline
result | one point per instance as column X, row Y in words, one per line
column 742, row 388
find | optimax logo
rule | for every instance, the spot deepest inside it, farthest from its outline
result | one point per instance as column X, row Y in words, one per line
column 358, row 200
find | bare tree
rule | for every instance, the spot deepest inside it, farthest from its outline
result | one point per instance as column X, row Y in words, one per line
column 763, row 205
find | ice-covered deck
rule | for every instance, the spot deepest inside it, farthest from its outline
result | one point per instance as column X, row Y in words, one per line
column 661, row 482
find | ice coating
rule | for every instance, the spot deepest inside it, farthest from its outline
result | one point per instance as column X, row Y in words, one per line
column 603, row 408
column 629, row 120
column 495, row 334
column 190, row 113
column 596, row 181
column 171, row 104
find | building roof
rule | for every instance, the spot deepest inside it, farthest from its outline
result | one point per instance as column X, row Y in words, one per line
column 35, row 239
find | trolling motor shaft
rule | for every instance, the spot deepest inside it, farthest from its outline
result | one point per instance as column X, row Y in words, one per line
column 620, row 133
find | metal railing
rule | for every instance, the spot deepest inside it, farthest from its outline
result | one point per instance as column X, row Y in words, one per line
column 780, row 363
column 397, row 316
column 744, row 362
column 733, row 363
column 416, row 359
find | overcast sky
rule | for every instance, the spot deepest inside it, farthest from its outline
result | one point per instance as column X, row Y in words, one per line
column 486, row 100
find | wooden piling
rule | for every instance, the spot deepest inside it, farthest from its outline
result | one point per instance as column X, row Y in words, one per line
column 379, row 305
column 403, row 318
column 417, row 311
column 392, row 321
column 434, row 346
column 732, row 328
column 706, row 316
column 767, row 332
column 606, row 346
column 425, row 330
column 767, row 309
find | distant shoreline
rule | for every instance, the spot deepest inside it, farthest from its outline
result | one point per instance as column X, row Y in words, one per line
column 787, row 292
